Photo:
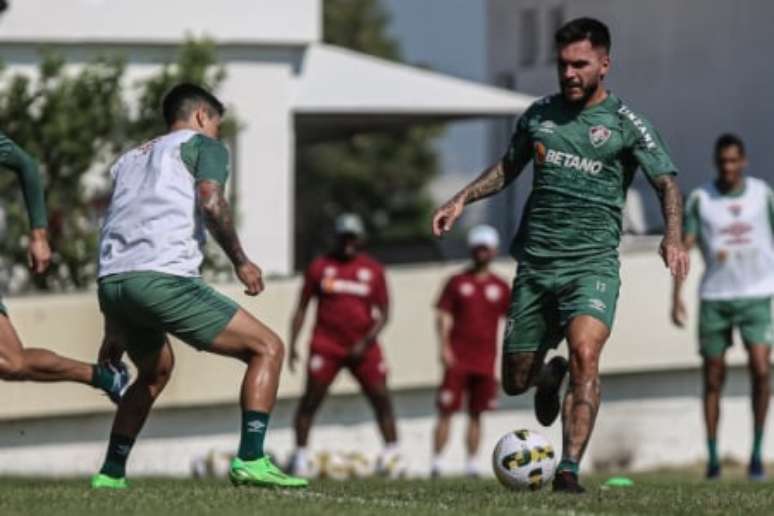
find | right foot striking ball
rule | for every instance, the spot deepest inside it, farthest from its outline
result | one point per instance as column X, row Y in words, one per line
column 524, row 460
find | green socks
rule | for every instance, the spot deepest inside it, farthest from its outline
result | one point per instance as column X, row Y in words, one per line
column 254, row 426
column 569, row 465
column 102, row 377
column 757, row 444
column 712, row 451
column 117, row 454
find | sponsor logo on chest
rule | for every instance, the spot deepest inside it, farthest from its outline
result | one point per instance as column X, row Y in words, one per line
column 545, row 156
column 360, row 287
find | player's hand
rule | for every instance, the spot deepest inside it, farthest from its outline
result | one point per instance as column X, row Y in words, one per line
column 675, row 257
column 38, row 251
column 445, row 216
column 357, row 351
column 251, row 277
column 679, row 313
column 292, row 359
column 447, row 357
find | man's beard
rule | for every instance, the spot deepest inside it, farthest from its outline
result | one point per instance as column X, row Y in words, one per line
column 588, row 91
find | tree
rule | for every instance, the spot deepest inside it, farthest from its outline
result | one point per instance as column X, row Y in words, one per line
column 382, row 177
column 75, row 124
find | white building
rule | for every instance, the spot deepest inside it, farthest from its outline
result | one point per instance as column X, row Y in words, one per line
column 283, row 83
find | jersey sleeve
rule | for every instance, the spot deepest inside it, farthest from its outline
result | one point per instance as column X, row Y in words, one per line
column 691, row 222
column 206, row 159
column 446, row 299
column 519, row 151
column 13, row 157
column 381, row 294
column 646, row 146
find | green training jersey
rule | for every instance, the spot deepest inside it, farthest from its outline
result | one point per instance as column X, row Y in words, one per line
column 14, row 158
column 584, row 161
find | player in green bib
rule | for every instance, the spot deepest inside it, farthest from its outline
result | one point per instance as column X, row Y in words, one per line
column 586, row 145
column 35, row 364
column 731, row 218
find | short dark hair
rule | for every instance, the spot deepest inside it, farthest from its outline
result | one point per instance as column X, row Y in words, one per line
column 581, row 29
column 183, row 98
column 727, row 140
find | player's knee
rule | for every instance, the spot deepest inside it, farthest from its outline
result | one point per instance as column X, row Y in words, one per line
column 584, row 360
column 12, row 369
column 516, row 383
column 760, row 375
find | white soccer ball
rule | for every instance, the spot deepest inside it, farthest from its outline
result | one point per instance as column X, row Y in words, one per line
column 524, row 460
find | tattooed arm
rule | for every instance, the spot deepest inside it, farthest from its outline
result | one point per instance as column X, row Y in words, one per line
column 492, row 180
column 220, row 223
column 672, row 249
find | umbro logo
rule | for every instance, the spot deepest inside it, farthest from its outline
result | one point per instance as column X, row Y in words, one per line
column 256, row 426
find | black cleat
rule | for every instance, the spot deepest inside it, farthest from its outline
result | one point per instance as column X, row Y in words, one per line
column 547, row 401
column 567, row 482
column 713, row 472
column 756, row 471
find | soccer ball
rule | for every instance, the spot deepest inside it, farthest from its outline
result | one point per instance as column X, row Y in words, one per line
column 524, row 460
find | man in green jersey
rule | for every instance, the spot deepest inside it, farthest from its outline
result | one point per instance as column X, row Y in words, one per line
column 586, row 146
column 35, row 364
column 165, row 192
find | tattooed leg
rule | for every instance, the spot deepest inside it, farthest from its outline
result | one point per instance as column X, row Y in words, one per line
column 586, row 337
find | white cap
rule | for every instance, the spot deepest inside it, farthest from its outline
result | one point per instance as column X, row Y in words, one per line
column 483, row 235
column 349, row 223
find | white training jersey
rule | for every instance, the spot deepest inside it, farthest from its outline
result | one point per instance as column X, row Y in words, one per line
column 736, row 236
column 153, row 222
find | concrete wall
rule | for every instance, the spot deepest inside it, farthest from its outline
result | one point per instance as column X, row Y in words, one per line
column 651, row 414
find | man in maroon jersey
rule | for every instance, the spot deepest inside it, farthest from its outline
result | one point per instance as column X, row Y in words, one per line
column 352, row 310
column 469, row 312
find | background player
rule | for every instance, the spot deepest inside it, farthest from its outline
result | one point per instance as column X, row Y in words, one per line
column 732, row 219
column 352, row 310
column 35, row 364
column 586, row 145
column 151, row 249
column 470, row 308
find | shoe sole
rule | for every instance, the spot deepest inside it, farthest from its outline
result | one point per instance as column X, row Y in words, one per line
column 551, row 396
column 240, row 481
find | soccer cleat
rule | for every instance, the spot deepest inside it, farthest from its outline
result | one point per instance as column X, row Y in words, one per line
column 261, row 473
column 547, row 401
column 100, row 481
column 120, row 382
column 567, row 482
column 755, row 471
column 714, row 472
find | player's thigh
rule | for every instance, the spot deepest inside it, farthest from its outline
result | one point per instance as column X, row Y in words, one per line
column 125, row 326
column 755, row 323
column 451, row 391
column 586, row 336
column 532, row 322
column 592, row 292
column 371, row 373
column 716, row 325
column 244, row 336
column 11, row 356
column 482, row 394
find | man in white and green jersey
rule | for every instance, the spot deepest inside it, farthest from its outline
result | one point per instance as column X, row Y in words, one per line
column 151, row 248
column 586, row 145
column 36, row 364
column 732, row 219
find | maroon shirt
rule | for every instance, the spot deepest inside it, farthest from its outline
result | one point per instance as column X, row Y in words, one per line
column 347, row 293
column 476, row 305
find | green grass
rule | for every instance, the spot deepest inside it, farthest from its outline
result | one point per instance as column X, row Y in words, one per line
column 662, row 494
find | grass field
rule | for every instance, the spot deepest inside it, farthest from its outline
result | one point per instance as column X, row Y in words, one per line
column 662, row 494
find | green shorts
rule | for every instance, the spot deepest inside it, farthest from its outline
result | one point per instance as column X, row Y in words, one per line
column 545, row 300
column 717, row 320
column 148, row 305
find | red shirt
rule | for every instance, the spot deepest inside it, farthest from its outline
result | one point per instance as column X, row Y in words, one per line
column 347, row 293
column 476, row 305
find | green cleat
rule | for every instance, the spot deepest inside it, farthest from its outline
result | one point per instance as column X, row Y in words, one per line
column 261, row 473
column 101, row 481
